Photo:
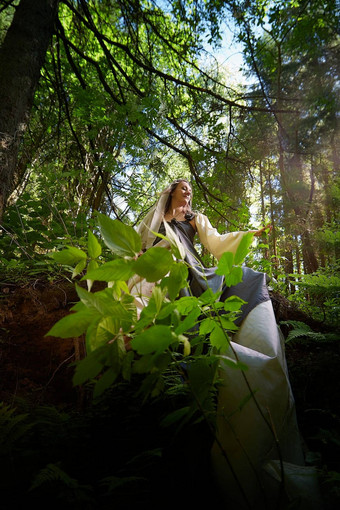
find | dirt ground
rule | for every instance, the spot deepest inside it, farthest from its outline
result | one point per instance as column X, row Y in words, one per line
column 39, row 368
column 33, row 365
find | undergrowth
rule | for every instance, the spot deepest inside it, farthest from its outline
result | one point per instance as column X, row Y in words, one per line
column 112, row 454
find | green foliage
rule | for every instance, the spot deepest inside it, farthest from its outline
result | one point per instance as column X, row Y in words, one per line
column 154, row 264
column 111, row 450
column 302, row 332
column 66, row 488
column 121, row 239
column 172, row 337
column 66, row 459
column 318, row 294
column 12, row 428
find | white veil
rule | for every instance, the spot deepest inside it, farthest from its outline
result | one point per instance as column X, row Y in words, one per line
column 152, row 221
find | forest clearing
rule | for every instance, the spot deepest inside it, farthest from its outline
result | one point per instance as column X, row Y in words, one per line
column 169, row 254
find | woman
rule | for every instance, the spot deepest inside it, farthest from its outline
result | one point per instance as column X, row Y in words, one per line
column 174, row 209
column 260, row 438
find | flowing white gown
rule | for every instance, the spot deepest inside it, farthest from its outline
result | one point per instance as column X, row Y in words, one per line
column 257, row 458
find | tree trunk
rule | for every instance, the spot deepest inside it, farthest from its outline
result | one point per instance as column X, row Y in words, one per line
column 309, row 259
column 22, row 55
column 289, row 265
column 272, row 221
column 263, row 210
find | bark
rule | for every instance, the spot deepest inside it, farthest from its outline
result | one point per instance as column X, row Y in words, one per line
column 309, row 259
column 272, row 221
column 263, row 211
column 22, row 55
column 289, row 267
column 298, row 259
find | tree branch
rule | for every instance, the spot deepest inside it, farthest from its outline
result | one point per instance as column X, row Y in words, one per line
column 152, row 70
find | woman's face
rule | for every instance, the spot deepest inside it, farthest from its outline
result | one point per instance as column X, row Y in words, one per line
column 182, row 193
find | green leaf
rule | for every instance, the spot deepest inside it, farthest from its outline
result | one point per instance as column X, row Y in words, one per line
column 175, row 416
column 114, row 270
column 243, row 248
column 73, row 325
column 202, row 376
column 104, row 303
column 87, row 369
column 233, row 304
column 166, row 310
column 219, row 338
column 143, row 364
column 101, row 332
column 206, row 326
column 153, row 308
column 155, row 339
column 225, row 263
column 118, row 287
column 120, row 238
column 185, row 304
column 152, row 385
column 104, row 382
column 177, row 280
column 158, row 297
column 116, row 352
column 93, row 247
column 234, row 277
column 79, row 268
column 228, row 324
column 69, row 256
column 189, row 321
column 127, row 365
column 209, row 297
column 92, row 265
column 154, row 263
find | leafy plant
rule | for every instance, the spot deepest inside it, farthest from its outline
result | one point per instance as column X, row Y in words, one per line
column 172, row 342
column 13, row 427
column 43, row 457
column 318, row 293
column 67, row 489
column 303, row 332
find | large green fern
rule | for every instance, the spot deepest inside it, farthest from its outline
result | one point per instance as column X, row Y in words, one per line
column 61, row 485
column 12, row 427
column 53, row 473
column 302, row 331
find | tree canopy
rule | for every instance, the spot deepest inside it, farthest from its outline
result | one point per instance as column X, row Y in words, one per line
column 116, row 98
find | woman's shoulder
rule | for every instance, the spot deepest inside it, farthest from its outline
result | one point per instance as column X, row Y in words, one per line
column 190, row 217
column 201, row 218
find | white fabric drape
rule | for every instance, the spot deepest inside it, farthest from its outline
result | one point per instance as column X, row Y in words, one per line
column 214, row 242
column 152, row 222
column 250, row 440
column 243, row 434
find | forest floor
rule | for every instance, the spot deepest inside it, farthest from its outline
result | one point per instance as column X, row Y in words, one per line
column 38, row 369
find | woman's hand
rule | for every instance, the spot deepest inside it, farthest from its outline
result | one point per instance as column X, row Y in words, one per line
column 262, row 230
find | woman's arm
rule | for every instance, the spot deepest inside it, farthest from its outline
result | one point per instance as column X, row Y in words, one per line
column 259, row 233
column 217, row 243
